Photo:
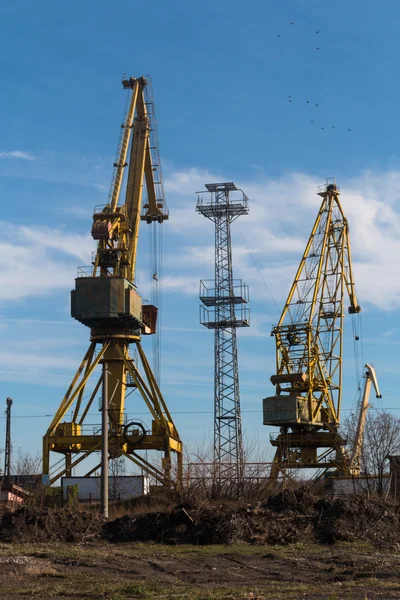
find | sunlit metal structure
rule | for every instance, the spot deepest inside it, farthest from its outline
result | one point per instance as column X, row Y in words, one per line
column 106, row 300
column 309, row 346
column 224, row 310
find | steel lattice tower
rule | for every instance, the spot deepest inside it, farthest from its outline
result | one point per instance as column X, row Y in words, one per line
column 224, row 309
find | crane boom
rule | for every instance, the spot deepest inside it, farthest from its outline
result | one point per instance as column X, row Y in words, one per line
column 309, row 340
column 117, row 228
column 370, row 380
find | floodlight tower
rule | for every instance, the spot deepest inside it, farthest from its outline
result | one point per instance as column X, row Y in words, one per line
column 224, row 309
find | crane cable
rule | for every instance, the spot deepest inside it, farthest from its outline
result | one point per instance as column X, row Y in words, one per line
column 156, row 231
column 258, row 270
column 155, row 273
column 356, row 322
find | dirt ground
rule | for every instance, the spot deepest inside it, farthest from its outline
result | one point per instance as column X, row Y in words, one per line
column 96, row 570
column 290, row 546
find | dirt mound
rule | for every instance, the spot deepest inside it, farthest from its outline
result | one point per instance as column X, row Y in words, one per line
column 212, row 523
column 298, row 501
column 163, row 527
column 357, row 518
column 29, row 524
column 285, row 518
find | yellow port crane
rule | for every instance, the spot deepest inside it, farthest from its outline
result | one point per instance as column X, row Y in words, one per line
column 309, row 343
column 106, row 299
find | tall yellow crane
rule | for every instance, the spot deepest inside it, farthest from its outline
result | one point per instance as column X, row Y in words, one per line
column 309, row 343
column 106, row 300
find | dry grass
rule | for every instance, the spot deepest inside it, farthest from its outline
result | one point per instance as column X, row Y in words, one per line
column 50, row 572
column 92, row 587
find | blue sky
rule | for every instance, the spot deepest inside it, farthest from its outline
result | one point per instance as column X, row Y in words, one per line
column 222, row 80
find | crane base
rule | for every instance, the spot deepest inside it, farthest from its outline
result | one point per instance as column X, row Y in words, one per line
column 299, row 450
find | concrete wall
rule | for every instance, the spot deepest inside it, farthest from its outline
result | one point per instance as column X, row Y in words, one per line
column 355, row 485
column 11, row 499
column 119, row 488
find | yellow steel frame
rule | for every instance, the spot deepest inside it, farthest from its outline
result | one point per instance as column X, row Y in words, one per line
column 68, row 437
column 309, row 336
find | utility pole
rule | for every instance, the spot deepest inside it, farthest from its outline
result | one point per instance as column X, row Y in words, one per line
column 104, row 445
column 7, row 453
column 224, row 309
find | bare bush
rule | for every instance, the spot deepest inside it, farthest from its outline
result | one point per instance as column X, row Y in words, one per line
column 117, row 469
column 25, row 467
column 381, row 439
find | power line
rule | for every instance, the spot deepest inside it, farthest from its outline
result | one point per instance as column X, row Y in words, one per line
column 190, row 412
column 258, row 270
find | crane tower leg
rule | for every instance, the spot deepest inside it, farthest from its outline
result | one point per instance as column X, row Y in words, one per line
column 126, row 436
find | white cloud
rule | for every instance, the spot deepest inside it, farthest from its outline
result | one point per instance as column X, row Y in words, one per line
column 17, row 154
column 73, row 244
column 79, row 212
column 38, row 261
column 188, row 285
column 31, row 362
column 282, row 212
column 40, row 322
column 61, row 168
column 185, row 182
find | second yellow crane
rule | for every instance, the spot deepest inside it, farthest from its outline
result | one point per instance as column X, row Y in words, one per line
column 309, row 346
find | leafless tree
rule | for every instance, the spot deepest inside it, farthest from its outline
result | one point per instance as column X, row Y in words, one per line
column 24, row 463
column 117, row 469
column 381, row 439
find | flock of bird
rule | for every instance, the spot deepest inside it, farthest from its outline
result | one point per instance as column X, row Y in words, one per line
column 292, row 23
column 290, row 99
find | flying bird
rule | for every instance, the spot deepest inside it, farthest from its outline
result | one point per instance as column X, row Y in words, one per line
column 278, row 36
column 317, row 105
column 317, row 48
column 307, row 102
column 322, row 127
column 292, row 22
column 312, row 121
column 317, row 31
column 349, row 130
